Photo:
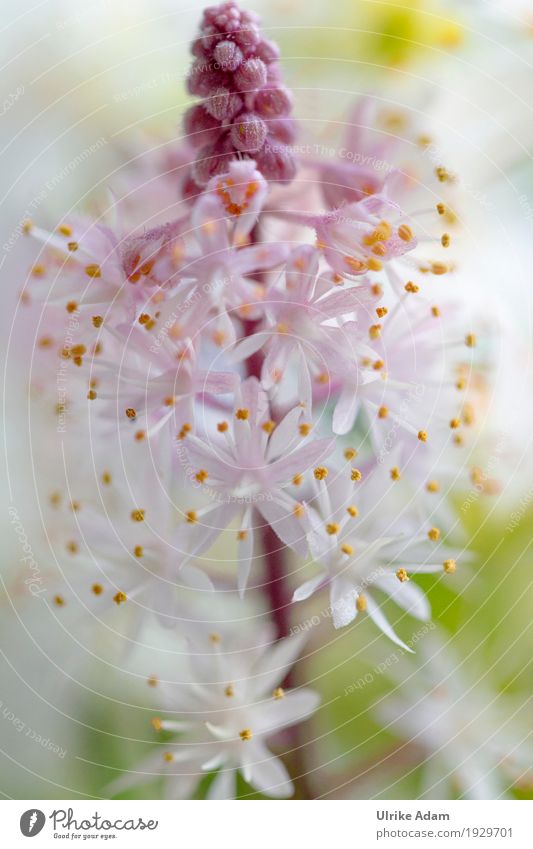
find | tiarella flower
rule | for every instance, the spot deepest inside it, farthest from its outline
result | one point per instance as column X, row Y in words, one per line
column 362, row 547
column 215, row 288
column 474, row 744
column 233, row 705
column 120, row 555
column 156, row 381
column 248, row 470
column 305, row 320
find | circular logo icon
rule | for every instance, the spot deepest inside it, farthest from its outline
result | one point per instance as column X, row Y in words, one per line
column 32, row 822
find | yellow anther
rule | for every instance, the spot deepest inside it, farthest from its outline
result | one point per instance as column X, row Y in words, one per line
column 432, row 486
column 201, row 476
column 455, row 423
column 168, row 757
column 91, row 395
column 222, row 427
column 65, row 230
column 461, row 383
column 297, row 480
column 374, row 331
column 93, row 270
column 278, row 693
column 97, row 320
column 298, row 510
column 59, row 600
column 140, row 435
column 435, row 312
column 468, row 414
column 376, row 290
column 37, row 270
column 305, row 429
column 241, row 535
column 383, row 412
column 374, row 264
column 229, row 691
column 405, row 233
column 97, row 589
column 350, row 453
column 352, row 511
column 268, row 426
column 242, row 414
column 441, row 209
column 439, row 268
column 214, row 638
column 72, row 246
column 422, row 435
column 72, row 547
column 120, row 597
column 246, row 734
column 402, row 576
column 156, row 723
column 356, row 475
column 346, row 549
column 360, row 603
column 445, row 240
column 381, row 311
column 320, row 473
column 131, row 413
column 395, row 473
column 449, row 566
column 434, row 534
column 377, row 365
column 411, row 287
column 333, row 528
column 470, row 340
column 191, row 516
column 152, row 681
column 71, row 306
column 442, row 174
column 137, row 515
column 106, row 478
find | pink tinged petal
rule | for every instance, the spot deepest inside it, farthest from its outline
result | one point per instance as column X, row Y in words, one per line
column 301, row 460
column 407, row 595
column 271, row 668
column 245, row 550
column 199, row 536
column 223, row 786
column 214, row 459
column 261, row 256
column 195, row 579
column 383, row 624
column 342, row 598
column 284, row 435
column 265, row 772
column 341, row 302
column 214, row 382
column 249, row 132
column 288, row 527
column 309, row 587
column 208, row 226
column 345, row 410
column 305, row 388
column 248, row 346
column 273, row 715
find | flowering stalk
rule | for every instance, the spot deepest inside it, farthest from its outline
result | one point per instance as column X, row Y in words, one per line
column 314, row 388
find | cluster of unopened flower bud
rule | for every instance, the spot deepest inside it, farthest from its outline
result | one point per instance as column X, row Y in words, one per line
column 245, row 107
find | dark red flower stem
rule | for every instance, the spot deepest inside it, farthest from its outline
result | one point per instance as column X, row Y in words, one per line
column 275, row 586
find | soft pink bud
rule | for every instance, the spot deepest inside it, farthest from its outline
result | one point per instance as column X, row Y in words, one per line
column 202, row 80
column 213, row 159
column 267, row 50
column 273, row 102
column 227, row 55
column 200, row 124
column 247, row 36
column 223, row 104
column 251, row 75
column 282, row 129
column 276, row 162
column 248, row 133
